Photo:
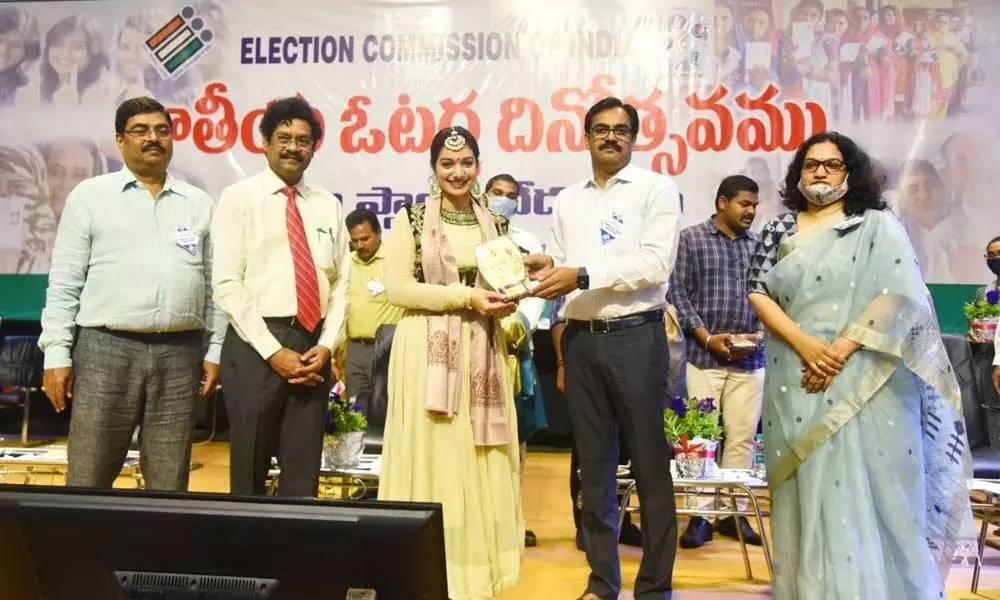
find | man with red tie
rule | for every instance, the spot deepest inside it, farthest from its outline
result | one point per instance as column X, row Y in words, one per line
column 281, row 261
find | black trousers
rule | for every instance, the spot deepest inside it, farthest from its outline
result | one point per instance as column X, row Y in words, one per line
column 615, row 382
column 269, row 417
column 575, row 484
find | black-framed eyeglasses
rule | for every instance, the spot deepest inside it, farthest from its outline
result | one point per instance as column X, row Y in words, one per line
column 832, row 165
column 142, row 131
column 621, row 132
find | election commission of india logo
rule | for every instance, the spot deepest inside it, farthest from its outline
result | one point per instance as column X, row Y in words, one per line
column 179, row 43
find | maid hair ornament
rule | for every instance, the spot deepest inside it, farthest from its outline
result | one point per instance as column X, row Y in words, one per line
column 455, row 141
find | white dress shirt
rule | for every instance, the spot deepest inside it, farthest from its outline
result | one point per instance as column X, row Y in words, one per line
column 254, row 276
column 625, row 235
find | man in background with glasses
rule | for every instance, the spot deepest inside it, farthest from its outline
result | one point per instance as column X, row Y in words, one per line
column 129, row 329
column 614, row 239
column 281, row 275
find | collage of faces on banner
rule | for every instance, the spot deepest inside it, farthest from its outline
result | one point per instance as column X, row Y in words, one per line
column 909, row 79
column 72, row 62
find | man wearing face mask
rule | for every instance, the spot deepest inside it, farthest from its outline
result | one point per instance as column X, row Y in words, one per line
column 990, row 292
column 502, row 192
column 992, row 257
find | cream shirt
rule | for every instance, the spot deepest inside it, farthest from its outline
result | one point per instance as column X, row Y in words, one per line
column 254, row 276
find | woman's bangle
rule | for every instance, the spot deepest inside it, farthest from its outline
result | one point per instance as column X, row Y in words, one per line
column 559, row 363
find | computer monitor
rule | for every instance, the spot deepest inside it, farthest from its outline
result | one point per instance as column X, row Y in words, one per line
column 65, row 543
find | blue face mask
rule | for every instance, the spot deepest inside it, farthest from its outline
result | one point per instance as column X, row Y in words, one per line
column 503, row 206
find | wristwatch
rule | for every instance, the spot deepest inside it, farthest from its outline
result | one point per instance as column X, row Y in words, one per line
column 582, row 279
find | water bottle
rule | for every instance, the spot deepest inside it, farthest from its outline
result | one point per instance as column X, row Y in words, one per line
column 757, row 468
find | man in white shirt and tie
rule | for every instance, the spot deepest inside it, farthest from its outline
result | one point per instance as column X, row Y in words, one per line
column 614, row 239
column 281, row 266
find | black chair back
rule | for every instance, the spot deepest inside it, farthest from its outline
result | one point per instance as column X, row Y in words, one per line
column 378, row 404
column 20, row 362
column 960, row 355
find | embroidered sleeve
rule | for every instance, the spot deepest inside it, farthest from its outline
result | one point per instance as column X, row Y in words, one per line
column 415, row 215
column 503, row 225
column 766, row 254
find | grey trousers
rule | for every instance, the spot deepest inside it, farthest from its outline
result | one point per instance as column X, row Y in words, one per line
column 359, row 370
column 124, row 380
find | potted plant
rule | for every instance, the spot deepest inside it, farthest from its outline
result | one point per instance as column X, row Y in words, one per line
column 693, row 427
column 983, row 316
column 345, row 433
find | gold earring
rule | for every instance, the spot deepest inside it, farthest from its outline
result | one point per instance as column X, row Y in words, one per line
column 476, row 191
column 435, row 188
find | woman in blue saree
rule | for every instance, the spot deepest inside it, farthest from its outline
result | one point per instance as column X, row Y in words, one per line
column 865, row 446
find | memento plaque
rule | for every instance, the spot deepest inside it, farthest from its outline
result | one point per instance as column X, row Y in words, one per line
column 501, row 264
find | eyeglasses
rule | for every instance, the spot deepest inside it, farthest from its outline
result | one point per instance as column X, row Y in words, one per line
column 142, row 131
column 283, row 141
column 602, row 131
column 832, row 165
column 991, row 255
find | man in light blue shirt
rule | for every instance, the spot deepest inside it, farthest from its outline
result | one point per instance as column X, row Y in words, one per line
column 129, row 330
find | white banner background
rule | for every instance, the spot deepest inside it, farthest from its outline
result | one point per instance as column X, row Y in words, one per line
column 555, row 58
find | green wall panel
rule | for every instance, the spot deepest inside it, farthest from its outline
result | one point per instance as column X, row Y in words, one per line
column 22, row 298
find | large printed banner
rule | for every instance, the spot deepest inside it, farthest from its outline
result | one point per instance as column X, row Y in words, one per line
column 721, row 88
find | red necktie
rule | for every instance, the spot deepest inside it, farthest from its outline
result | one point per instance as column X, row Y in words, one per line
column 306, row 284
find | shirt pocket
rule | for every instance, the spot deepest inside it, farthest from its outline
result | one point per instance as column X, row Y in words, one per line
column 322, row 247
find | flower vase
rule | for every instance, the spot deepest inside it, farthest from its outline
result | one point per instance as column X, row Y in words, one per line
column 983, row 330
column 689, row 466
column 342, row 450
column 695, row 460
column 709, row 464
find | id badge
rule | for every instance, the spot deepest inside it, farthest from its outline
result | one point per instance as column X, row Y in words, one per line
column 612, row 228
column 186, row 239
column 375, row 287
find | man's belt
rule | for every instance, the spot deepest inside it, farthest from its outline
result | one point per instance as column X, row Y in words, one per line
column 619, row 323
column 292, row 323
column 153, row 337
